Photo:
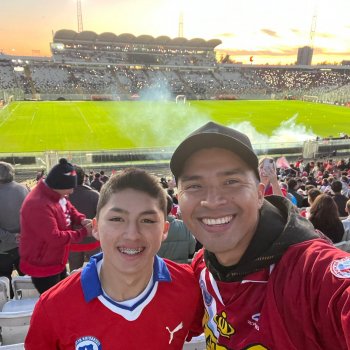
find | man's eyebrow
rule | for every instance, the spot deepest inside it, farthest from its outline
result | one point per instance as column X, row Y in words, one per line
column 190, row 178
column 228, row 172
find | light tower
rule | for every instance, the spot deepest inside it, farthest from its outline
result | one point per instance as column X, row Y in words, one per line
column 80, row 16
column 181, row 25
column 313, row 30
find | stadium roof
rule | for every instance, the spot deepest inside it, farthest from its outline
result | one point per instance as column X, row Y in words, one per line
column 66, row 35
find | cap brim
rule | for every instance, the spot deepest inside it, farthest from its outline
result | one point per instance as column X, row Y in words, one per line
column 209, row 140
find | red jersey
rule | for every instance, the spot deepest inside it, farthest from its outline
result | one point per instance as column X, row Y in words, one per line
column 302, row 302
column 76, row 313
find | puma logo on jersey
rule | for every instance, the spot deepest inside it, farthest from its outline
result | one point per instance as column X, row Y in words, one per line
column 177, row 328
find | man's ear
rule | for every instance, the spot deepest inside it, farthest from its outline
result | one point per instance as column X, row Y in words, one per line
column 261, row 191
column 165, row 230
column 95, row 232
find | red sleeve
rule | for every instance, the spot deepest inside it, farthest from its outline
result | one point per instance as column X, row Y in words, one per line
column 75, row 215
column 43, row 222
column 41, row 334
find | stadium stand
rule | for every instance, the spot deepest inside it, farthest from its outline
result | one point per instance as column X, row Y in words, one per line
column 125, row 66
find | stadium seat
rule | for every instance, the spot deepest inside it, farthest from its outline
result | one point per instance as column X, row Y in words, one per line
column 12, row 347
column 4, row 290
column 15, row 318
column 23, row 287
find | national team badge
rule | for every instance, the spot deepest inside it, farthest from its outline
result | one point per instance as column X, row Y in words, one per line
column 88, row 343
column 341, row 268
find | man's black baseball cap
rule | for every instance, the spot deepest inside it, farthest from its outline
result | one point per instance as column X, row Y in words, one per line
column 214, row 135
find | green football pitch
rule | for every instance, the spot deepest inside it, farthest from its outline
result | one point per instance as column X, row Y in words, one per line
column 39, row 126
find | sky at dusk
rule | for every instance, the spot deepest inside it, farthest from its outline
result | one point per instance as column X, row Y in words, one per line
column 269, row 30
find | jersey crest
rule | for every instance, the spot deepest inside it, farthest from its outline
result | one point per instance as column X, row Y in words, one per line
column 88, row 343
column 341, row 268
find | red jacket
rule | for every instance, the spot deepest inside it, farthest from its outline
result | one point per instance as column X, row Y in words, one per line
column 45, row 236
column 301, row 302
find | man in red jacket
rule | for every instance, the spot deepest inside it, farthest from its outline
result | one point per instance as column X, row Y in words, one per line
column 268, row 280
column 47, row 218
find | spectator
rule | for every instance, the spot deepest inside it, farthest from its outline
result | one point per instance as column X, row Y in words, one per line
column 97, row 184
column 12, row 195
column 104, row 178
column 127, row 288
column 91, row 176
column 179, row 246
column 86, row 180
column 292, row 189
column 84, row 199
column 47, row 218
column 325, row 217
column 346, row 223
column 260, row 256
column 345, row 186
column 339, row 199
column 311, row 196
column 164, row 182
column 40, row 174
column 268, row 176
column 325, row 186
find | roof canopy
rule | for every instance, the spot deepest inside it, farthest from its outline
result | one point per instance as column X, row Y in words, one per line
column 64, row 35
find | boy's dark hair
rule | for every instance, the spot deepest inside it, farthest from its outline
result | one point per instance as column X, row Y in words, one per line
column 313, row 193
column 336, row 186
column 135, row 179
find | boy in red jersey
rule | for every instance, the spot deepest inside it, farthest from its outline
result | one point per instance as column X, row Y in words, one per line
column 268, row 280
column 126, row 297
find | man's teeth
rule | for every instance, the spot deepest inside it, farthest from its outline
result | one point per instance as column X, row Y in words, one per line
column 218, row 221
column 130, row 251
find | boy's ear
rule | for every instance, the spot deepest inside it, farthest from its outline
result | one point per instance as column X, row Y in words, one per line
column 95, row 233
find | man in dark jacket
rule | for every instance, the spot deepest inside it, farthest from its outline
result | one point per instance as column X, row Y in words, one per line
column 339, row 199
column 180, row 244
column 84, row 199
column 12, row 195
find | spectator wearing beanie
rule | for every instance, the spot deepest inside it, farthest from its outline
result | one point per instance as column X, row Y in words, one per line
column 47, row 221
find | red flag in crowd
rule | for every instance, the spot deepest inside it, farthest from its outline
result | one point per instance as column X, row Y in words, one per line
column 282, row 162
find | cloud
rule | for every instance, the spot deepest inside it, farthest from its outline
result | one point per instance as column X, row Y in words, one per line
column 281, row 52
column 226, row 35
column 269, row 32
column 325, row 35
column 322, row 51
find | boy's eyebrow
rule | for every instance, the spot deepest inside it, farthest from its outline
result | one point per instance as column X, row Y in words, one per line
column 123, row 211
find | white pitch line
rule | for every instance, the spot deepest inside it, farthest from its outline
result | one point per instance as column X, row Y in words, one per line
column 33, row 115
column 9, row 115
column 86, row 122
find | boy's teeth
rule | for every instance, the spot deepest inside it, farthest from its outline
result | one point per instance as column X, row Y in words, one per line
column 130, row 251
column 219, row 221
